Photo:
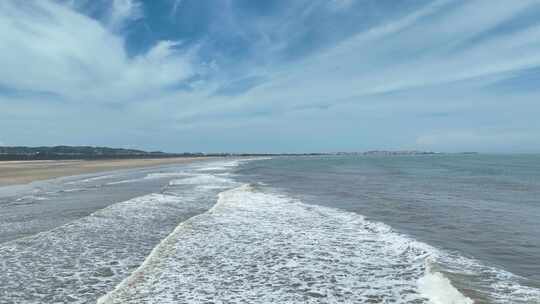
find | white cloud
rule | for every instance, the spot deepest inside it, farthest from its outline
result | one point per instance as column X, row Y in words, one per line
column 380, row 60
column 47, row 47
column 51, row 48
column 353, row 77
column 123, row 11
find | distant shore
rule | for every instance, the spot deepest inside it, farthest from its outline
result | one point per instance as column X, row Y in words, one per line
column 23, row 172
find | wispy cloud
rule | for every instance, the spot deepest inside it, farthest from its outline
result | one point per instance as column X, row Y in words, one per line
column 78, row 58
column 124, row 11
column 175, row 6
column 365, row 70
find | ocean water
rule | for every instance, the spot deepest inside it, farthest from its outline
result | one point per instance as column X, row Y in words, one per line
column 72, row 240
column 481, row 211
column 442, row 229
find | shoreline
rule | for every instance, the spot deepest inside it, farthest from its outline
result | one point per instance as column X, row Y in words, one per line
column 24, row 172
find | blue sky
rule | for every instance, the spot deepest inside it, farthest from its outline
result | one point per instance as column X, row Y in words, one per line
column 271, row 76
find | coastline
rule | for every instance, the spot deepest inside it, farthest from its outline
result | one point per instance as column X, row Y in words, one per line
column 23, row 172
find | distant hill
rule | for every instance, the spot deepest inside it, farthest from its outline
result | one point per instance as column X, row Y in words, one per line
column 79, row 152
column 88, row 152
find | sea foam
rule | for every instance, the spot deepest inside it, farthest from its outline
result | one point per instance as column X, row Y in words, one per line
column 440, row 290
column 256, row 247
column 77, row 262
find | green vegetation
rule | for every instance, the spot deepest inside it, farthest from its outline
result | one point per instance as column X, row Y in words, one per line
column 80, row 152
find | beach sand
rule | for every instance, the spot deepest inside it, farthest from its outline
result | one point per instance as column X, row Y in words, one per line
column 22, row 172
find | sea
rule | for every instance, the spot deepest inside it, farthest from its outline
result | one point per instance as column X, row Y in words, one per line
column 434, row 229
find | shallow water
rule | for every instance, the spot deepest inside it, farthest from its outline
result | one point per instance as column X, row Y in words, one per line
column 288, row 230
column 75, row 239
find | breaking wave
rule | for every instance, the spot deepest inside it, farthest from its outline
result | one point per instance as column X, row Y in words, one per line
column 254, row 245
column 262, row 247
column 79, row 261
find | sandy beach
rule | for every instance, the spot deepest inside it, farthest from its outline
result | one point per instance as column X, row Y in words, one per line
column 22, row 172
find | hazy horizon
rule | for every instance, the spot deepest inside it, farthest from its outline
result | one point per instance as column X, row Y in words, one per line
column 271, row 76
column 285, row 152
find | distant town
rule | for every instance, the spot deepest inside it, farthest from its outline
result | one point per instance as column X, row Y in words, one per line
column 89, row 152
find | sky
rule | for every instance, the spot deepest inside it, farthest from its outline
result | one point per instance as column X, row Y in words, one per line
column 272, row 75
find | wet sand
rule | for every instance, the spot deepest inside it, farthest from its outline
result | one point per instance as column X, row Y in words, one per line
column 22, row 172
